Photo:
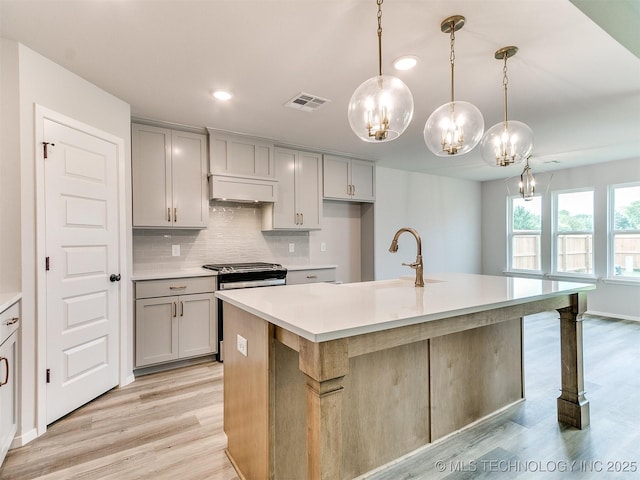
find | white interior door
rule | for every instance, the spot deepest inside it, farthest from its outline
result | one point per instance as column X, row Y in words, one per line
column 82, row 244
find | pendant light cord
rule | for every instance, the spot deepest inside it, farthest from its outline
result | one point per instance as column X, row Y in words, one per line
column 505, row 81
column 379, row 2
column 452, row 56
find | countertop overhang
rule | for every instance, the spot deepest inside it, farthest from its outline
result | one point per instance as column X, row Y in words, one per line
column 321, row 311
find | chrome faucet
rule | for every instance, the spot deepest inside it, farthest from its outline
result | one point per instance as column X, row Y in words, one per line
column 417, row 265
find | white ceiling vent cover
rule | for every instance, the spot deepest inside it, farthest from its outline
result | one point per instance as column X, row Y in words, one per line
column 306, row 102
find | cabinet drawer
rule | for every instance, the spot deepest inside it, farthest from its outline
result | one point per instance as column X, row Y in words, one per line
column 9, row 321
column 295, row 277
column 174, row 286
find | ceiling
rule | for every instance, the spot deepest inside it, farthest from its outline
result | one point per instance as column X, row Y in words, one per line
column 571, row 81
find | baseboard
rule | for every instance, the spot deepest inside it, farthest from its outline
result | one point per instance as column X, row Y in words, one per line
column 128, row 379
column 617, row 316
column 26, row 437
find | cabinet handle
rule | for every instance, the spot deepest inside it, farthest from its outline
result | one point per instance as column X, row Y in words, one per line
column 175, row 214
column 353, row 189
column 177, row 287
column 6, row 378
column 175, row 309
column 12, row 321
column 168, row 214
column 302, row 219
column 297, row 222
column 349, row 187
column 312, row 276
column 182, row 309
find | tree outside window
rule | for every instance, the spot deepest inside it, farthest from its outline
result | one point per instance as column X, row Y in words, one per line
column 526, row 226
column 573, row 222
column 625, row 233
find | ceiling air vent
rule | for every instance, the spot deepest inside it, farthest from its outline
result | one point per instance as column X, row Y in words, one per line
column 306, row 102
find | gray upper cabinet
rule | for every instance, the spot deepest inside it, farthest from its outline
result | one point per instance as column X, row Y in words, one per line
column 169, row 172
column 348, row 179
column 299, row 205
column 239, row 155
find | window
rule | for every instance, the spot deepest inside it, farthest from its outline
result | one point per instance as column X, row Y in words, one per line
column 573, row 232
column 624, row 235
column 525, row 228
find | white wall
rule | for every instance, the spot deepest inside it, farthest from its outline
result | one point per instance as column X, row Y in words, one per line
column 444, row 211
column 609, row 299
column 9, row 173
column 43, row 82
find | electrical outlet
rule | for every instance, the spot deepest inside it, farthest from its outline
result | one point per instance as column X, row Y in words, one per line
column 175, row 250
column 323, row 247
column 292, row 247
column 242, row 345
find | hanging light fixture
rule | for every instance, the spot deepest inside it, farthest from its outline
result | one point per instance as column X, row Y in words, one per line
column 509, row 141
column 527, row 183
column 381, row 108
column 454, row 128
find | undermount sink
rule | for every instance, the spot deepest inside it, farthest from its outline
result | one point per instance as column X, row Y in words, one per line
column 394, row 283
column 426, row 280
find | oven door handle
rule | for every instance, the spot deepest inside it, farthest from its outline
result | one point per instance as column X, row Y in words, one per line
column 252, row 283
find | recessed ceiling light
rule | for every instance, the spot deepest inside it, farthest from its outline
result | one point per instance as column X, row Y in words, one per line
column 222, row 95
column 406, row 62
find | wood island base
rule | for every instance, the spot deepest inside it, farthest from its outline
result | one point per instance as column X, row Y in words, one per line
column 294, row 408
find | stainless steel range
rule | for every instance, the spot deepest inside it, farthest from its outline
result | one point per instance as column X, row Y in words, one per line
column 244, row 275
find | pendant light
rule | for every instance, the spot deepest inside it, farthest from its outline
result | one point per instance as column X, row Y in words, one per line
column 456, row 127
column 527, row 183
column 381, row 108
column 509, row 141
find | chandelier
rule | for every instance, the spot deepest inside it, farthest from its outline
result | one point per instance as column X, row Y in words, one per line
column 456, row 127
column 381, row 108
column 527, row 183
column 509, row 141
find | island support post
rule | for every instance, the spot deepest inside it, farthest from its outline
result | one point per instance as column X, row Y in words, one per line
column 573, row 407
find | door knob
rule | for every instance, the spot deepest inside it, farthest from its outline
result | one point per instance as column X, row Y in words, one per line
column 114, row 277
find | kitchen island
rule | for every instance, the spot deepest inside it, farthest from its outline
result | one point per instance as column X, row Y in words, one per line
column 325, row 381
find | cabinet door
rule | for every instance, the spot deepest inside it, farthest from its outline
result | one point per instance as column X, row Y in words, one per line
column 363, row 180
column 336, row 177
column 151, row 176
column 197, row 325
column 156, row 330
column 237, row 155
column 189, row 180
column 8, row 393
column 284, row 210
column 308, row 196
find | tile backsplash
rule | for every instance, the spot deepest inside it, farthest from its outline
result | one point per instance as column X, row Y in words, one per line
column 234, row 235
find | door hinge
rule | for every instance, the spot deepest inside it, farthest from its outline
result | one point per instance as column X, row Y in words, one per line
column 46, row 264
column 45, row 145
column 48, row 375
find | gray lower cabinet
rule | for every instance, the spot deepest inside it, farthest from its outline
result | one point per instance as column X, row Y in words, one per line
column 9, row 321
column 311, row 275
column 175, row 327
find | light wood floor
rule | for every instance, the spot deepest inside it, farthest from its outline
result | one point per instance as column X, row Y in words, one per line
column 169, row 425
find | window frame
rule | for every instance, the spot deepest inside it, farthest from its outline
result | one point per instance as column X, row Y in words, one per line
column 555, row 233
column 511, row 236
column 612, row 232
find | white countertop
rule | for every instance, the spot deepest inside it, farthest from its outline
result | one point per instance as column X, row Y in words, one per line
column 8, row 298
column 308, row 267
column 180, row 273
column 324, row 311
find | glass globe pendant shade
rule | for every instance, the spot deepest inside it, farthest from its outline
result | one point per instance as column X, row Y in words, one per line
column 506, row 143
column 380, row 109
column 454, row 128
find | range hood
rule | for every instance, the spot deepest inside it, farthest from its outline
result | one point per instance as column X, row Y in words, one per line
column 236, row 188
column 241, row 168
